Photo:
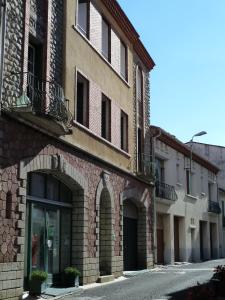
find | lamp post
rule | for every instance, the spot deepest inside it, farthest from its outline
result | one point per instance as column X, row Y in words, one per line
column 191, row 141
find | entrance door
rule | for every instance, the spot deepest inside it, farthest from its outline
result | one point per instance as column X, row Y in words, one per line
column 160, row 246
column 45, row 240
column 130, row 243
column 176, row 239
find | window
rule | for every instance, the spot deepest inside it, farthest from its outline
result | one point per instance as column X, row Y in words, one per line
column 106, row 40
column 188, row 182
column 106, row 118
column 159, row 170
column 82, row 100
column 83, row 16
column 123, row 61
column 223, row 213
column 124, row 131
column 178, row 172
column 139, row 149
column 8, row 210
column 209, row 191
column 139, row 86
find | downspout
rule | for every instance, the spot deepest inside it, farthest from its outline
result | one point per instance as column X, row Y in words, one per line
column 2, row 44
column 153, row 140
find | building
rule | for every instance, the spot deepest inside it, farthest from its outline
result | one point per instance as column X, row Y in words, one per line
column 74, row 133
column 216, row 154
column 187, row 207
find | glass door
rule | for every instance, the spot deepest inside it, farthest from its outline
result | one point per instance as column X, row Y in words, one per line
column 52, row 244
column 45, row 241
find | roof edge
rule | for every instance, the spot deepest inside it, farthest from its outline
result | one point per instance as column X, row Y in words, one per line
column 176, row 144
column 127, row 27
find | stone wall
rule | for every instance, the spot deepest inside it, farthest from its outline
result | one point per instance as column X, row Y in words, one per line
column 25, row 150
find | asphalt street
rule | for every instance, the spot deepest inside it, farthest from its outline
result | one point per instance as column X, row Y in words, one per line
column 161, row 283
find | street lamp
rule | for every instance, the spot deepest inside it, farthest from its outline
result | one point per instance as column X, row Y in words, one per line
column 191, row 141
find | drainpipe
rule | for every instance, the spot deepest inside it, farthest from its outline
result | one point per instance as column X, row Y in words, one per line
column 153, row 140
column 2, row 43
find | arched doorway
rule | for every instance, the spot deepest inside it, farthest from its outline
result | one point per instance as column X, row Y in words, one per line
column 48, row 226
column 130, row 236
column 105, row 234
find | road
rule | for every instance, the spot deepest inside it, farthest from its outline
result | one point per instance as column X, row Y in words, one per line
column 161, row 283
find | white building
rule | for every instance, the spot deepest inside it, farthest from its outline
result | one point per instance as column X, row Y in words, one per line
column 216, row 154
column 187, row 210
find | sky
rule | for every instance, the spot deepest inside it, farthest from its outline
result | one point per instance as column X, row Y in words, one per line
column 186, row 39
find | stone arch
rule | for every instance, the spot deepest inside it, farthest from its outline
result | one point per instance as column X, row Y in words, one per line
column 58, row 166
column 135, row 214
column 105, row 225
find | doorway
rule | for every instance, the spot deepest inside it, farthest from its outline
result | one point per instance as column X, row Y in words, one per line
column 130, row 236
column 176, row 239
column 48, row 227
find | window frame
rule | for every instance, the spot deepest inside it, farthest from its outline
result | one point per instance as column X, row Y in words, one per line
column 124, row 145
column 125, row 76
column 109, row 58
column 80, row 29
column 107, row 135
column 86, row 106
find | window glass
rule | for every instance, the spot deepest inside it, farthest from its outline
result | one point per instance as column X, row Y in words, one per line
column 65, row 193
column 82, row 100
column 37, row 185
column 124, row 131
column 123, row 61
column 52, row 188
column 83, row 14
column 106, row 118
column 105, row 40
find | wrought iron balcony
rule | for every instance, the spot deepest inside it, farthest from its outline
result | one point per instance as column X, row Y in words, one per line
column 214, row 207
column 165, row 191
column 146, row 168
column 36, row 101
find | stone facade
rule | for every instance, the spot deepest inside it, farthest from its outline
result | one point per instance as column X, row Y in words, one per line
column 26, row 150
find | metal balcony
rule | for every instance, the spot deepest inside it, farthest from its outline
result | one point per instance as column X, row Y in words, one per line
column 146, row 168
column 39, row 102
column 214, row 207
column 165, row 191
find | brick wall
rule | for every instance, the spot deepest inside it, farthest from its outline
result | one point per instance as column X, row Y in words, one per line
column 115, row 51
column 21, row 142
column 95, row 27
column 95, row 103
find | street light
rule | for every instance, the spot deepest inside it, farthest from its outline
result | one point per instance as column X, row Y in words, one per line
column 191, row 141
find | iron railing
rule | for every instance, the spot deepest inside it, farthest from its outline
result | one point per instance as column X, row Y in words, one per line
column 146, row 167
column 165, row 191
column 214, row 207
column 25, row 92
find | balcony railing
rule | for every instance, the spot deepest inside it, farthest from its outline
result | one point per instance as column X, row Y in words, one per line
column 214, row 207
column 25, row 93
column 165, row 191
column 146, row 168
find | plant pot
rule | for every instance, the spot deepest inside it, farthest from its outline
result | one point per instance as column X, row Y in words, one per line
column 70, row 281
column 37, row 287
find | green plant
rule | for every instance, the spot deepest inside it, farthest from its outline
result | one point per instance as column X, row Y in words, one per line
column 220, row 273
column 39, row 275
column 72, row 271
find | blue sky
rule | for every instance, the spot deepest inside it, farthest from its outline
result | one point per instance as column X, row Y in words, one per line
column 186, row 39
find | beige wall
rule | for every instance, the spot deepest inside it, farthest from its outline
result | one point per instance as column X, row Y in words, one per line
column 80, row 55
column 191, row 209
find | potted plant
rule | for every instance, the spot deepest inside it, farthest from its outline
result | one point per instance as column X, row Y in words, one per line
column 37, row 282
column 71, row 277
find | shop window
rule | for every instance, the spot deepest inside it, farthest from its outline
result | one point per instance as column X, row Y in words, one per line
column 83, row 17
column 106, row 118
column 124, row 131
column 82, row 100
column 106, row 40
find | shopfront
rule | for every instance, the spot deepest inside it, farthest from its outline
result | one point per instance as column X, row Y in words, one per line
column 48, row 226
